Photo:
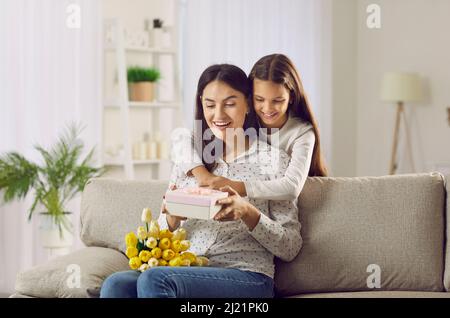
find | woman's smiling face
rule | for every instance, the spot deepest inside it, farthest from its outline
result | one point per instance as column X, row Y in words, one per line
column 223, row 108
column 271, row 102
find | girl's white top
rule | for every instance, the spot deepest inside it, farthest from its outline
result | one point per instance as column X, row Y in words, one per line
column 296, row 138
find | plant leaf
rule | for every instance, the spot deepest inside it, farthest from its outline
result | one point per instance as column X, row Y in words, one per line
column 17, row 176
column 58, row 180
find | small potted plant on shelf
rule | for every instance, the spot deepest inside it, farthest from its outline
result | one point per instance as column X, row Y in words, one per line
column 55, row 182
column 141, row 83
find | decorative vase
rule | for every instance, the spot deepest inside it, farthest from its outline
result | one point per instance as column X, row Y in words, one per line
column 141, row 91
column 157, row 33
column 57, row 242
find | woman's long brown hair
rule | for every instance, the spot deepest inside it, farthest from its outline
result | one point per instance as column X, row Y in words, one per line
column 234, row 77
column 278, row 68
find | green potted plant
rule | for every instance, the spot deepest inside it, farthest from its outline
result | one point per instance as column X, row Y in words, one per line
column 141, row 83
column 56, row 181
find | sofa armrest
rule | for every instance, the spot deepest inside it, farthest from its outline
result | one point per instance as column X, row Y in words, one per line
column 447, row 233
column 79, row 274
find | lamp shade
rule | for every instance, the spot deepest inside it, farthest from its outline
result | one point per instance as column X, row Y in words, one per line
column 401, row 87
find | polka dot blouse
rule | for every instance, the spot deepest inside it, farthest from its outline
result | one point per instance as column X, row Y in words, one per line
column 231, row 244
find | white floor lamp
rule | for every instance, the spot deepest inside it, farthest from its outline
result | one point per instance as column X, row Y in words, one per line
column 401, row 87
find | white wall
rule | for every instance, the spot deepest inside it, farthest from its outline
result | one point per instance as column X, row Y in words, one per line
column 344, row 118
column 413, row 37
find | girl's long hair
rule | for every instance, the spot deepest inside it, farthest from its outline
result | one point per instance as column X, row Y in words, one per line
column 279, row 69
column 234, row 77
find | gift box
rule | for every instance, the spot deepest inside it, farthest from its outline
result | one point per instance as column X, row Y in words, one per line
column 196, row 203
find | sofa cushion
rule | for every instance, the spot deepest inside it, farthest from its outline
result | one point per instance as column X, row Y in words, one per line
column 111, row 208
column 394, row 222
column 17, row 295
column 377, row 294
column 56, row 279
column 447, row 247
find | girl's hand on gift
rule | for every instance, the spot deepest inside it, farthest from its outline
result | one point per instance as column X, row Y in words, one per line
column 218, row 182
column 172, row 220
column 202, row 175
column 235, row 207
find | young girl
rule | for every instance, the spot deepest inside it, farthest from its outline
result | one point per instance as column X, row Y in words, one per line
column 243, row 238
column 283, row 108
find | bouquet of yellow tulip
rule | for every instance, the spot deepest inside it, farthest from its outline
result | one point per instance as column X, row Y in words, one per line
column 151, row 247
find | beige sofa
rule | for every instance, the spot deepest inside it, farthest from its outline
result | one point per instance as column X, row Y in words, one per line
column 356, row 232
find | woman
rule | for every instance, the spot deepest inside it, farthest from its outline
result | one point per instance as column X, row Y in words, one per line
column 284, row 110
column 243, row 238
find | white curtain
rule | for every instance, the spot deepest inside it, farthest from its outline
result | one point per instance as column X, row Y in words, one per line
column 50, row 75
column 242, row 31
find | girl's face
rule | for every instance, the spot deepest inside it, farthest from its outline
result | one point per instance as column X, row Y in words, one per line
column 271, row 102
column 223, row 108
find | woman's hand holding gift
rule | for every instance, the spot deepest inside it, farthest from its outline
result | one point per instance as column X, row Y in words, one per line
column 172, row 220
column 234, row 207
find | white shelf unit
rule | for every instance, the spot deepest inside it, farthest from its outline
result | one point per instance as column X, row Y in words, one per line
column 116, row 104
column 125, row 106
column 143, row 49
column 116, row 162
